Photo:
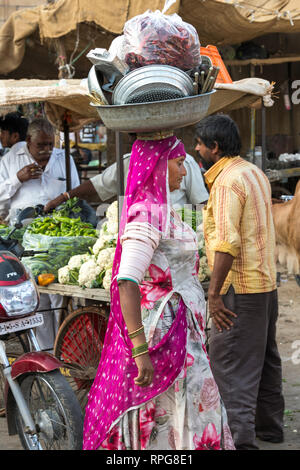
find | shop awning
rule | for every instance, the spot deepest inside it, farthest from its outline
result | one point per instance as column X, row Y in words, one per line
column 28, row 40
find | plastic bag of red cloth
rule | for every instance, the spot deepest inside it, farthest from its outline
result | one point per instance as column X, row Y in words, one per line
column 156, row 38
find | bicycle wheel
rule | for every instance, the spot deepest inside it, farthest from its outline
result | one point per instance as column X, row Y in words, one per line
column 55, row 411
column 79, row 344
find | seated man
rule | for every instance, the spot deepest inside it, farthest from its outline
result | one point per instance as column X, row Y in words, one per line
column 33, row 175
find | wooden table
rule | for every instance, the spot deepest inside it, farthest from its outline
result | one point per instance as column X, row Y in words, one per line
column 76, row 291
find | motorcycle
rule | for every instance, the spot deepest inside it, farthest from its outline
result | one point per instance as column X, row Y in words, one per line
column 40, row 405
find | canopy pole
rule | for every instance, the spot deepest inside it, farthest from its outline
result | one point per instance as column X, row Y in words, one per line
column 291, row 114
column 120, row 171
column 67, row 153
column 263, row 137
column 252, row 121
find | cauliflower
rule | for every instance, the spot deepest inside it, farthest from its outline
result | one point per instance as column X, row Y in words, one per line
column 107, row 279
column 112, row 226
column 67, row 275
column 105, row 258
column 89, row 274
column 64, row 275
column 204, row 271
column 201, row 245
column 98, row 245
column 104, row 240
column 108, row 235
column 77, row 260
column 112, row 211
column 107, row 238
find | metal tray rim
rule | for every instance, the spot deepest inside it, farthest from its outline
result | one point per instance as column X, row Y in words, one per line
column 129, row 105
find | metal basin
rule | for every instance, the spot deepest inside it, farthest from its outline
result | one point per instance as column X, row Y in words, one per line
column 150, row 77
column 158, row 115
column 94, row 85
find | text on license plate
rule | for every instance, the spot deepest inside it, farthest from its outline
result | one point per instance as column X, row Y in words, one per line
column 21, row 324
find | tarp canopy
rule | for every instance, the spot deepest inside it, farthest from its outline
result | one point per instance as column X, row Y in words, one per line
column 72, row 96
column 35, row 38
column 59, row 97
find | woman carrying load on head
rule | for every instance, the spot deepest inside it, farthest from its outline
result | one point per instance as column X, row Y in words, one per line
column 154, row 388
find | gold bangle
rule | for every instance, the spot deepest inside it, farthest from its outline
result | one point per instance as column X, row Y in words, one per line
column 137, row 355
column 141, row 349
column 136, row 332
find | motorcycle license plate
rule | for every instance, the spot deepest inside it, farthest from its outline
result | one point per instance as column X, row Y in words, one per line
column 21, row 324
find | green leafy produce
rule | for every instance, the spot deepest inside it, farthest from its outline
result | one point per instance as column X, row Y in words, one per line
column 60, row 226
column 61, row 236
column 68, row 207
column 59, row 251
column 191, row 217
column 17, row 235
column 74, row 208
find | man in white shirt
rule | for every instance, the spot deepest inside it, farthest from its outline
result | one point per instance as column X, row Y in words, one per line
column 192, row 189
column 35, row 173
column 32, row 175
column 13, row 132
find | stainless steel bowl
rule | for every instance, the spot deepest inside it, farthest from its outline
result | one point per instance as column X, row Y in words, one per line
column 95, row 87
column 150, row 78
column 159, row 115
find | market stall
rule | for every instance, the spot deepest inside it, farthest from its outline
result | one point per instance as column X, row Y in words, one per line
column 67, row 106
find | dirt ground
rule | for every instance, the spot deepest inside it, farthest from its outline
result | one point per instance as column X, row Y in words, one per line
column 288, row 336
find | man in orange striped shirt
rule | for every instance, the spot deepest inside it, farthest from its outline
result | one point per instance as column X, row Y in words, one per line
column 242, row 296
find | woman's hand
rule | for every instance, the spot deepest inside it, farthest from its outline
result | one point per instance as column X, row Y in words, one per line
column 146, row 370
column 130, row 298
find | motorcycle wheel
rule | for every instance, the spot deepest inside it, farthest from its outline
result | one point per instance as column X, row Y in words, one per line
column 79, row 344
column 55, row 411
column 15, row 345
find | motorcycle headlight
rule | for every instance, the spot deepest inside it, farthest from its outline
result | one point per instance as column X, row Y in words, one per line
column 20, row 299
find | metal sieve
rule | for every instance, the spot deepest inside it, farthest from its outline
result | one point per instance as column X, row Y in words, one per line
column 161, row 93
column 152, row 83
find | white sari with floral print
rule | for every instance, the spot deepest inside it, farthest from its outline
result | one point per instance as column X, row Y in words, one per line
column 190, row 414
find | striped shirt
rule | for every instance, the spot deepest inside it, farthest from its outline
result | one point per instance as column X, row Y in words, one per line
column 238, row 220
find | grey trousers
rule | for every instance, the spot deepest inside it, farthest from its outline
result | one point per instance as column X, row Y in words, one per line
column 247, row 368
column 46, row 333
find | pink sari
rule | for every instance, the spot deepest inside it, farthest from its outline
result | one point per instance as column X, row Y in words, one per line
column 114, row 392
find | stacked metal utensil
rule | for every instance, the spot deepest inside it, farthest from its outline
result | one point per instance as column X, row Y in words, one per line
column 205, row 79
column 110, row 81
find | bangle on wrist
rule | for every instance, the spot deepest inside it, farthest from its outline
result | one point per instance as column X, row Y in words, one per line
column 137, row 332
column 140, row 354
column 139, row 350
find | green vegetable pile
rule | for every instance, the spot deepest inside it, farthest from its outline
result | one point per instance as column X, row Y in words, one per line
column 68, row 208
column 61, row 236
column 59, row 226
column 191, row 217
column 59, row 250
column 194, row 219
column 17, row 235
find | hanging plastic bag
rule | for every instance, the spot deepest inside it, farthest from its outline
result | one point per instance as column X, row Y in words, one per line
column 156, row 38
column 58, row 251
